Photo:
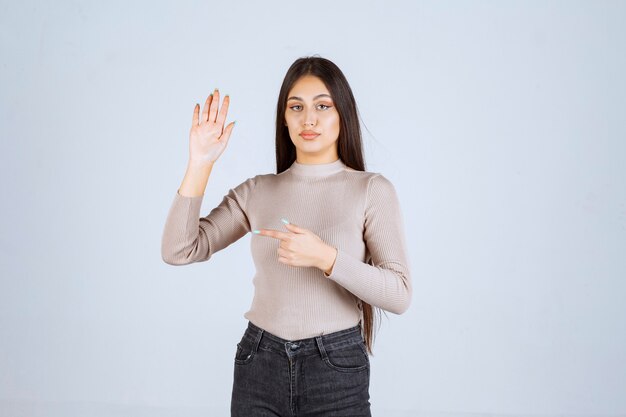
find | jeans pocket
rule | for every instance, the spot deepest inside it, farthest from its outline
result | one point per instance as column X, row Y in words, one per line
column 351, row 358
column 244, row 353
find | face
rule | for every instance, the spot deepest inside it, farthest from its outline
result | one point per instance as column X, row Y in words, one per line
column 312, row 121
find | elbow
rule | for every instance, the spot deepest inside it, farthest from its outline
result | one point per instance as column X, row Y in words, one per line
column 175, row 258
column 182, row 257
column 172, row 259
column 402, row 303
column 399, row 294
column 179, row 252
column 401, row 306
column 169, row 252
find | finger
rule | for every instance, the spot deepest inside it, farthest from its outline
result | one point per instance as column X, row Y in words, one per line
column 282, row 252
column 221, row 117
column 292, row 227
column 273, row 233
column 227, row 131
column 196, row 112
column 205, row 110
column 214, row 105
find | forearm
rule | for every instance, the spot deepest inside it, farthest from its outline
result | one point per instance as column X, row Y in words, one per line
column 195, row 180
column 181, row 242
column 387, row 287
column 327, row 260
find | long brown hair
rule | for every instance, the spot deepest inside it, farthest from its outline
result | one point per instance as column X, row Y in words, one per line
column 349, row 143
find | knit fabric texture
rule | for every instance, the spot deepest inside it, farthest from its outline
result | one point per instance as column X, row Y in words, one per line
column 356, row 212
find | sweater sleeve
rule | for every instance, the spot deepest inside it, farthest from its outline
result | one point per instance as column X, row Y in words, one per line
column 386, row 282
column 189, row 238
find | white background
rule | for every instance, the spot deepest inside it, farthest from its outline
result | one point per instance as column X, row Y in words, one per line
column 501, row 125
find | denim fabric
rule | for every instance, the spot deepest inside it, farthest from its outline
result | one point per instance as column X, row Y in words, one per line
column 326, row 375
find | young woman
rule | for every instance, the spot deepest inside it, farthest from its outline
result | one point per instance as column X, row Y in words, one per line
column 327, row 241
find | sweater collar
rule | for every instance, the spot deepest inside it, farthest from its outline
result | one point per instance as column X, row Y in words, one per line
column 317, row 170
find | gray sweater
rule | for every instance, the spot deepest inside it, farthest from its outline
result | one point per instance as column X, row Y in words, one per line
column 357, row 212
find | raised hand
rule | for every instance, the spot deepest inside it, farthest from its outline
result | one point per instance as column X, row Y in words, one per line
column 208, row 137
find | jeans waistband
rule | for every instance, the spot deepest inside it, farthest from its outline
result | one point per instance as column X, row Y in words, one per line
column 330, row 341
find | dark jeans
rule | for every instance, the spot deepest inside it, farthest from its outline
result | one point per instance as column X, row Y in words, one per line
column 326, row 375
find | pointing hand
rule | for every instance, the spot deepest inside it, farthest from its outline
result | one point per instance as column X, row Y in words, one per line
column 301, row 247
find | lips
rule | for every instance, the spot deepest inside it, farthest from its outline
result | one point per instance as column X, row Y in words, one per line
column 309, row 134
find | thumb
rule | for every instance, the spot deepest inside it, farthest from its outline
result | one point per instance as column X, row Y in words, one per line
column 226, row 133
column 292, row 227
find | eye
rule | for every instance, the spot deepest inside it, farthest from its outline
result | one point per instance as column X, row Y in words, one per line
column 294, row 107
column 324, row 106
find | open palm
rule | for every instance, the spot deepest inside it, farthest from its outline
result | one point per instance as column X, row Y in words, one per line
column 208, row 137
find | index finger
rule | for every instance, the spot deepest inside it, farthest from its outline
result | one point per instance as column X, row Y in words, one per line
column 272, row 233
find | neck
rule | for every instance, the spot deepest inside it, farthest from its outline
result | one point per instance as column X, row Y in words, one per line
column 317, row 170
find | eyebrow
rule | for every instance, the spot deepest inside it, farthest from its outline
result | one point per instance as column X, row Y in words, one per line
column 316, row 97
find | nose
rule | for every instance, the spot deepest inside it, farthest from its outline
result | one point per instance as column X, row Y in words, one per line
column 310, row 118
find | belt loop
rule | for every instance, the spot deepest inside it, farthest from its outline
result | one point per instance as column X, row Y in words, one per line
column 320, row 345
column 257, row 340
